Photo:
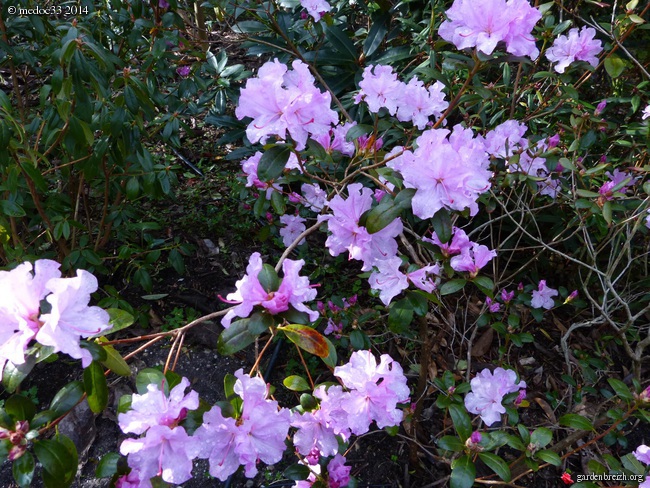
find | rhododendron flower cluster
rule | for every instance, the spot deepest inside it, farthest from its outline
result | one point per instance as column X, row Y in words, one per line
column 471, row 260
column 543, row 296
column 579, row 45
column 258, row 434
column 166, row 450
column 294, row 290
column 348, row 235
column 391, row 281
column 316, row 8
column 488, row 389
column 410, row 102
column 485, row 23
column 281, row 101
column 68, row 320
column 448, row 170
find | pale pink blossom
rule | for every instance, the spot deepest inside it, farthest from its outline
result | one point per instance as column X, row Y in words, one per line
column 543, row 296
column 294, row 225
column 257, row 435
column 579, row 45
column 473, row 260
column 488, row 389
column 388, row 279
column 293, row 290
column 379, row 88
column 642, row 454
column 337, row 472
column 70, row 317
column 281, row 101
column 335, row 139
column 458, row 243
column 315, row 198
column 316, row 8
column 646, row 113
column 505, row 139
column 420, row 278
column 314, row 432
column 483, row 24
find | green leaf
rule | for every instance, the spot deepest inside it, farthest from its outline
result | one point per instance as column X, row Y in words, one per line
column 576, row 421
column 400, row 316
column 451, row 443
column 462, row 422
column 235, row 338
column 96, row 387
column 485, row 284
column 452, row 286
column 268, row 278
column 388, row 210
column 67, row 397
column 306, row 338
column 607, row 212
column 296, row 383
column 108, row 465
column 376, row 34
column 614, row 66
column 58, row 462
column 331, row 358
column 229, row 389
column 308, row 402
column 586, row 193
column 273, row 162
column 442, row 225
column 20, row 407
column 43, row 418
column 23, row 469
column 13, row 375
column 357, row 131
column 150, row 376
column 11, row 209
column 115, row 362
column 541, row 437
column 621, row 389
column 341, row 42
column 463, row 473
column 359, row 341
column 297, row 472
column 259, row 323
column 550, row 457
column 496, row 464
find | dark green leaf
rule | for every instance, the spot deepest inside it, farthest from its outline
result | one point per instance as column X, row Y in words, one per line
column 496, row 464
column 57, row 461
column 115, row 362
column 461, row 420
column 357, row 131
column 442, row 225
column 451, row 443
column 107, row 465
column 20, row 407
column 235, row 338
column 13, row 375
column 576, row 421
column 463, row 473
column 550, row 457
column 400, row 316
column 388, row 210
column 268, row 278
column 259, row 323
column 11, row 209
column 541, row 437
column 621, row 389
column 229, row 389
column 96, row 351
column 67, row 397
column 359, row 341
column 341, row 42
column 376, row 34
column 23, row 469
column 272, row 163
column 297, row 472
column 331, row 358
column 452, row 286
column 96, row 387
column 485, row 284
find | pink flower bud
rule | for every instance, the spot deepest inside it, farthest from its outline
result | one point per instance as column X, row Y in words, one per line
column 599, row 109
column 553, row 141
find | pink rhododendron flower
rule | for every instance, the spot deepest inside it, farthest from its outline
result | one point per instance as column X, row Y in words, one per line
column 543, row 296
column 485, row 23
column 249, row 166
column 473, row 260
column 421, row 277
column 163, row 451
column 337, row 472
column 132, row 480
column 316, row 8
column 294, row 225
column 375, row 391
column 166, row 449
column 642, row 454
column 646, row 113
column 388, row 279
column 281, row 101
column 505, row 139
column 293, row 290
column 493, row 305
column 156, row 408
column 334, row 140
column 379, row 88
column 507, row 296
column 315, row 198
column 314, row 432
column 348, row 235
column 621, row 179
column 600, row 107
column 21, row 292
column 458, row 243
column 488, row 389
column 446, row 172
column 257, row 435
column 183, row 71
column 577, row 46
column 70, row 317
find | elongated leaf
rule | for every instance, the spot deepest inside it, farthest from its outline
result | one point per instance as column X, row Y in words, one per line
column 377, row 34
column 296, row 383
column 96, row 387
column 306, row 338
column 550, row 457
column 621, row 389
column 13, row 375
column 388, row 210
column 235, row 338
column 461, row 420
column 463, row 473
column 541, row 437
column 451, row 443
column 341, row 42
column 296, row 472
column 272, row 163
column 119, row 319
column 496, row 464
column 331, row 358
column 400, row 316
column 268, row 278
column 23, row 469
column 150, row 376
column 107, row 465
column 576, row 421
column 115, row 362
column 67, row 397
column 11, row 209
column 442, row 225
column 57, row 461
column 452, row 286
column 20, row 407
